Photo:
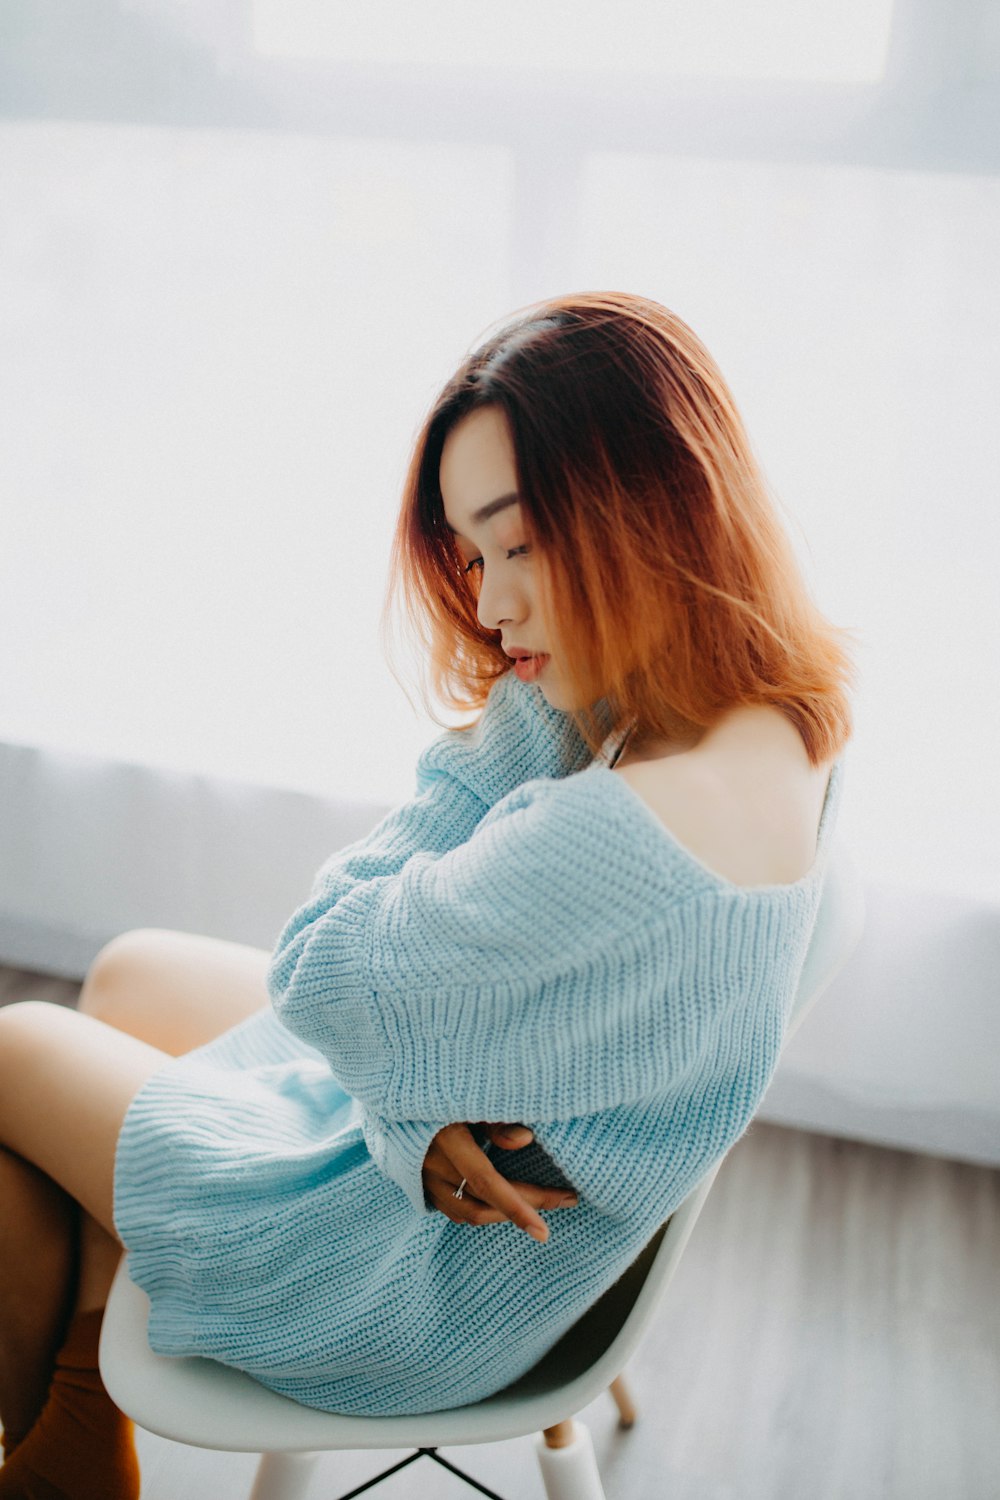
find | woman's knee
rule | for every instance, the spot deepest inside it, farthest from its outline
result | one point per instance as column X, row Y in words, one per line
column 112, row 974
column 175, row 990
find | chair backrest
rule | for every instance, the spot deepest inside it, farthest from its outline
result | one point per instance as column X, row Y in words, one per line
column 594, row 1350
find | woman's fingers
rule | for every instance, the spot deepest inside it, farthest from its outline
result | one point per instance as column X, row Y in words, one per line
column 487, row 1197
column 537, row 1197
column 488, row 1190
column 517, row 1200
column 510, row 1137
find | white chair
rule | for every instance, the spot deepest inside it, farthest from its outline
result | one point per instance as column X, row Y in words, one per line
column 209, row 1405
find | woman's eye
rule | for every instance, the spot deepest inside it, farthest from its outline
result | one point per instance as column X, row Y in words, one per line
column 512, row 552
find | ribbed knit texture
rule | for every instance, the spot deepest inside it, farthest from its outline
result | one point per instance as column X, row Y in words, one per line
column 522, row 941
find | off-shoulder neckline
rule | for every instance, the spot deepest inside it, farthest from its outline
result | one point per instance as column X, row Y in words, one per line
column 630, row 797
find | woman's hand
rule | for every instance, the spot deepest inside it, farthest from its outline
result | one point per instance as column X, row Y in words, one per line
column 488, row 1197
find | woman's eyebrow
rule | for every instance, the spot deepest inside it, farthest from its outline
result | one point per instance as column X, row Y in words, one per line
column 489, row 509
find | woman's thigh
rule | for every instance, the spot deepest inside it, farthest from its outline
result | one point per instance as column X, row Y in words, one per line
column 174, row 990
column 66, row 1080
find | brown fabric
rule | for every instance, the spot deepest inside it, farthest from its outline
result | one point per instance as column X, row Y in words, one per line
column 82, row 1447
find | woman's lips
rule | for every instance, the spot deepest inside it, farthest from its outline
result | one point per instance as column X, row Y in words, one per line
column 528, row 667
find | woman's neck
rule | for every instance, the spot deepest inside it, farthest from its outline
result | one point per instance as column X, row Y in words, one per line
column 635, row 749
column 749, row 732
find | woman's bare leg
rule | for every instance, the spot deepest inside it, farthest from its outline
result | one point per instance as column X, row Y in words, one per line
column 174, row 991
column 66, row 1081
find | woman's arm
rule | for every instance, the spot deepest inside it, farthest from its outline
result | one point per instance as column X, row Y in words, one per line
column 542, row 970
column 460, row 776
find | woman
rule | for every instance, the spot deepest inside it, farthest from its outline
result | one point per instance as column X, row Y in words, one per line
column 588, row 924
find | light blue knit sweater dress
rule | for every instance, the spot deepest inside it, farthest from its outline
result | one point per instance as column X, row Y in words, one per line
column 522, row 941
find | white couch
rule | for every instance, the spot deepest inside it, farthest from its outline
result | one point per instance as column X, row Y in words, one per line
column 902, row 1050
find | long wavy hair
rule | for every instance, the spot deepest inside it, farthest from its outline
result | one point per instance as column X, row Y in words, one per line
column 651, row 520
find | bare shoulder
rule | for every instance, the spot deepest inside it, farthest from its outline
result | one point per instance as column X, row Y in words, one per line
column 747, row 806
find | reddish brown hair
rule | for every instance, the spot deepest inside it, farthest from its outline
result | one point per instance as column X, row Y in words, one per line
column 660, row 543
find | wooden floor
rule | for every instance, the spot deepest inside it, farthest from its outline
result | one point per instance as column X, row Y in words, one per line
column 832, row 1333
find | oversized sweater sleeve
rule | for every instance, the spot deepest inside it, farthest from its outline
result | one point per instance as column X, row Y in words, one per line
column 398, row 1147
column 525, row 974
column 460, row 776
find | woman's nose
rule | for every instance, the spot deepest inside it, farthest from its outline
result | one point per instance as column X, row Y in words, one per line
column 499, row 602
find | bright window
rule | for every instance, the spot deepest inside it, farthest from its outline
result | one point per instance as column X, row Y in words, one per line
column 804, row 40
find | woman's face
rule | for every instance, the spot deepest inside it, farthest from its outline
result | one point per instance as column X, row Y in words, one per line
column 478, row 479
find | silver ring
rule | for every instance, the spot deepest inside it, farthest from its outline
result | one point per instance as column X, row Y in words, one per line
column 458, row 1191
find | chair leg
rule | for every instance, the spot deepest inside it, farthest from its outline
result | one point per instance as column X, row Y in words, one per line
column 566, row 1459
column 283, row 1476
column 623, row 1401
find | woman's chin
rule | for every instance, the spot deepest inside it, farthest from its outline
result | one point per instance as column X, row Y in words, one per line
column 554, row 694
